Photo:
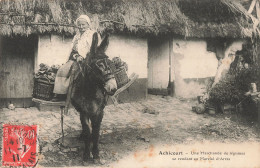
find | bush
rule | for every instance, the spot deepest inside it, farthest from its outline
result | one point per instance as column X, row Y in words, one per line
column 245, row 77
column 225, row 92
column 232, row 88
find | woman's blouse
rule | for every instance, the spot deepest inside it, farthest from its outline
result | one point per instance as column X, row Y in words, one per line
column 82, row 43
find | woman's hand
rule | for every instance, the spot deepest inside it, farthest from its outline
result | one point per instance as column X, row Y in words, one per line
column 79, row 58
column 75, row 56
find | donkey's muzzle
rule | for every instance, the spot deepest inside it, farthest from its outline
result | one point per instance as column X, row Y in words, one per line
column 111, row 86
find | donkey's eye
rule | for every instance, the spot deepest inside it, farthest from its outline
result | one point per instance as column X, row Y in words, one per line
column 102, row 66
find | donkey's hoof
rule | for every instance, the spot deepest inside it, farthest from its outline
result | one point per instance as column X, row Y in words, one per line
column 87, row 161
column 87, row 158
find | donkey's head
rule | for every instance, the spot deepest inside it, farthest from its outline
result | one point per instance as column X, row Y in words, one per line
column 98, row 66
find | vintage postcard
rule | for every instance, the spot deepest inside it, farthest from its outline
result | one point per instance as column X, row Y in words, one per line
column 130, row 83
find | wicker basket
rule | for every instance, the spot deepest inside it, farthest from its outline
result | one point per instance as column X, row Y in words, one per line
column 121, row 76
column 43, row 89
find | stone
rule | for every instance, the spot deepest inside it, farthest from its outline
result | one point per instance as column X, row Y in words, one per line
column 44, row 149
column 11, row 107
column 146, row 140
column 47, row 147
column 200, row 109
column 143, row 138
column 212, row 111
column 150, row 111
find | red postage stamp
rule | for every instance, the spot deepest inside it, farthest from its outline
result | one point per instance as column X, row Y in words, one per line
column 19, row 145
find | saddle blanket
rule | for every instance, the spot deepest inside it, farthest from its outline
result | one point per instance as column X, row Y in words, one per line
column 62, row 79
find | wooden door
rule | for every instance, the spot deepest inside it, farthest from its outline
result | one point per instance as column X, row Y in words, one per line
column 158, row 65
column 16, row 70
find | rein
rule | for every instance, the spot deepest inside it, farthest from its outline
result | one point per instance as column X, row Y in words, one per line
column 81, row 70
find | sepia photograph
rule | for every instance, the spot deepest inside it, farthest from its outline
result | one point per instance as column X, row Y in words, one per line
column 130, row 83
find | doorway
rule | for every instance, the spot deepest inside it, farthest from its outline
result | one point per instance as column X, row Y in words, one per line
column 17, row 56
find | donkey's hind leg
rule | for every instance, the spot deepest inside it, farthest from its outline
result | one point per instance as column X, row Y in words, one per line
column 96, row 123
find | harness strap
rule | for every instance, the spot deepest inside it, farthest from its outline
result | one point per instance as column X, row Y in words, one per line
column 80, row 68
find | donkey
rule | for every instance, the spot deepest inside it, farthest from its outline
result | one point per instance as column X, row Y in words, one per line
column 90, row 92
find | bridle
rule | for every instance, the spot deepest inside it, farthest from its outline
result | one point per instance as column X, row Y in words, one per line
column 101, row 64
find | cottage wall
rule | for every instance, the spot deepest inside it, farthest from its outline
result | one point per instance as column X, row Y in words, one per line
column 55, row 49
column 193, row 66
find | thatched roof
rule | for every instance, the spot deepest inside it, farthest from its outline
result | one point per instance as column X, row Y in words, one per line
column 189, row 18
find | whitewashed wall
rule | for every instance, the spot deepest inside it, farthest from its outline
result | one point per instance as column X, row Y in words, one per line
column 197, row 62
column 191, row 60
column 132, row 50
column 53, row 49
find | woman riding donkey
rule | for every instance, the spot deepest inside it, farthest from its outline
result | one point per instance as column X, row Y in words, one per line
column 94, row 83
column 81, row 46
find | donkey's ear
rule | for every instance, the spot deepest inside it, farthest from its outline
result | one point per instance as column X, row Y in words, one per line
column 104, row 44
column 93, row 48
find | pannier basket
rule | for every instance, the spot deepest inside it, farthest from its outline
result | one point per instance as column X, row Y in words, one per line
column 121, row 76
column 43, row 89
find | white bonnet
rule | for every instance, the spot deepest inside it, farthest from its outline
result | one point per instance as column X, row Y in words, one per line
column 85, row 17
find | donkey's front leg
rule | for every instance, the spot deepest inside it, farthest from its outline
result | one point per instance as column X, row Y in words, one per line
column 96, row 123
column 86, row 131
column 83, row 134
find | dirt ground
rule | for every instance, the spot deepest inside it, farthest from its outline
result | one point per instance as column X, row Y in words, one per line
column 130, row 127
